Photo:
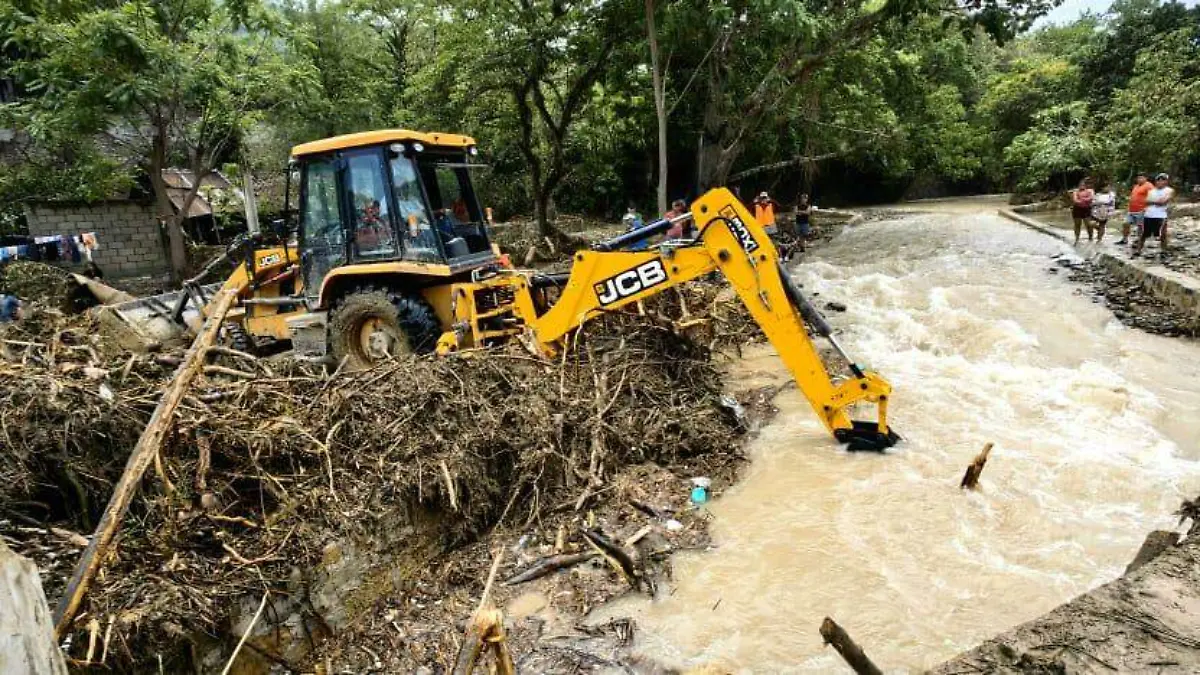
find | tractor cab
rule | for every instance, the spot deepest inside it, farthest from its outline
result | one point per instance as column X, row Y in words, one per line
column 392, row 196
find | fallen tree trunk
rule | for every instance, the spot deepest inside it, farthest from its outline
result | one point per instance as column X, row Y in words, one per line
column 147, row 448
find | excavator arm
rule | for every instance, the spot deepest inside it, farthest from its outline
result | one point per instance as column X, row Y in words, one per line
column 730, row 241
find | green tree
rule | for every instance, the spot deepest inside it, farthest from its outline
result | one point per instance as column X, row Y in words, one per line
column 1154, row 122
column 1056, row 150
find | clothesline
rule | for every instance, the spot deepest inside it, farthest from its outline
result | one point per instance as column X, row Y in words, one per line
column 56, row 247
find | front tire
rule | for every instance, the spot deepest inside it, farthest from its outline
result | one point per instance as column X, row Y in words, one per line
column 372, row 325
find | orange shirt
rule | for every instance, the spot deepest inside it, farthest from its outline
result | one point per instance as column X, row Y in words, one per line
column 1137, row 197
column 764, row 213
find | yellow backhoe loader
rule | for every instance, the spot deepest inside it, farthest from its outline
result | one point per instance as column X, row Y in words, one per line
column 391, row 254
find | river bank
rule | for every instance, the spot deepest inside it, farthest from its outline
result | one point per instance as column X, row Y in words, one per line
column 1158, row 292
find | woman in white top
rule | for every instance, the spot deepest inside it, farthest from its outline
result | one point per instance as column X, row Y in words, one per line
column 1103, row 203
column 1155, row 222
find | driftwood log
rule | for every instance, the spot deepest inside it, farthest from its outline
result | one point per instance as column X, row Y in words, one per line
column 850, row 651
column 971, row 478
column 147, row 448
column 547, row 565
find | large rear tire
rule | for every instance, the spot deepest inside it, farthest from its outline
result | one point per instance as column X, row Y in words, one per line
column 371, row 325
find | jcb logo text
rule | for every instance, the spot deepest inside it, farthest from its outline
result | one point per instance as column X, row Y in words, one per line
column 739, row 229
column 647, row 275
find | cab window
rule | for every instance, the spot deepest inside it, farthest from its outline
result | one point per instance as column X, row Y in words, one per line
column 420, row 241
column 324, row 240
column 370, row 219
column 455, row 212
column 320, row 212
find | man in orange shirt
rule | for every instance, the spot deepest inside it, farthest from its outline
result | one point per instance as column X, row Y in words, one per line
column 764, row 212
column 1137, row 206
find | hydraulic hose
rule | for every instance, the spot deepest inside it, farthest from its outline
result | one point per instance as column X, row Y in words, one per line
column 813, row 317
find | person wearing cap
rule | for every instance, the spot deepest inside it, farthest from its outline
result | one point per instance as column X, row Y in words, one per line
column 764, row 212
column 1154, row 224
column 1137, row 206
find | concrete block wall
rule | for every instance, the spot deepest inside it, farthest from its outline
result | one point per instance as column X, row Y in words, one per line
column 130, row 242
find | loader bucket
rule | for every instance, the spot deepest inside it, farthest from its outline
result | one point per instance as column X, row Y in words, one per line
column 138, row 324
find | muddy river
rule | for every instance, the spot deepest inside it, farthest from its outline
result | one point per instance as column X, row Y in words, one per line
column 1097, row 441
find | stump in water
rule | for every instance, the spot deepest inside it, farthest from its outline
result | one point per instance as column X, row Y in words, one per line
column 853, row 654
column 971, row 478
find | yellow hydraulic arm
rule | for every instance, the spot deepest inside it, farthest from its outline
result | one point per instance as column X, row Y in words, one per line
column 729, row 240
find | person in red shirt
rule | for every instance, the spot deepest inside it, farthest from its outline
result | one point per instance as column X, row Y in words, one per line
column 678, row 208
column 1137, row 206
column 1081, row 207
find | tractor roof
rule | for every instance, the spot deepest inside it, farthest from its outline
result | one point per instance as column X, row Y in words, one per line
column 380, row 137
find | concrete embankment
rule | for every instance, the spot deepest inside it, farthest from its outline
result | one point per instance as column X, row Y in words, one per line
column 1179, row 290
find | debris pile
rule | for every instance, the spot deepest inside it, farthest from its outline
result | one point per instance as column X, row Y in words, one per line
column 276, row 470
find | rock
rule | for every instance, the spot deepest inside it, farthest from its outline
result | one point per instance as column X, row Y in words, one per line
column 1156, row 542
column 835, row 306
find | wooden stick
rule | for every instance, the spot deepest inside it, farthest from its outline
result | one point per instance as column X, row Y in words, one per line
column 233, row 657
column 546, row 565
column 484, row 623
column 139, row 460
column 451, row 492
column 971, row 478
column 851, row 652
column 475, row 641
column 231, row 372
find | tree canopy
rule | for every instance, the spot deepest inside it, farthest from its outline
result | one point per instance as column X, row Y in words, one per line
column 859, row 100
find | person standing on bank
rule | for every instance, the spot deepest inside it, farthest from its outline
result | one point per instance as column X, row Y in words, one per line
column 1103, row 204
column 803, row 219
column 1158, row 201
column 1081, row 207
column 1137, row 207
column 764, row 212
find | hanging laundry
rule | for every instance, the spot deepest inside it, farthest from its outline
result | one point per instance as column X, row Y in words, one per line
column 54, row 248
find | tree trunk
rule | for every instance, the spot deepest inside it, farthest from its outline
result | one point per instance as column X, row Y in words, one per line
column 660, row 106
column 541, row 212
column 176, row 248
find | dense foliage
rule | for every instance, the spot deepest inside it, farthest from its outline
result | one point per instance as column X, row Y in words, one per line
column 1106, row 96
column 855, row 100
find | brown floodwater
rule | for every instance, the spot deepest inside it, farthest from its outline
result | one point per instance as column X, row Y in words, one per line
column 1097, row 440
